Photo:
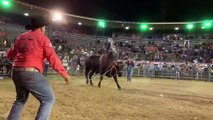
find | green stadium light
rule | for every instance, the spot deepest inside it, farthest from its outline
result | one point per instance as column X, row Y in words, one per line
column 102, row 23
column 6, row 3
column 207, row 24
column 190, row 26
column 144, row 27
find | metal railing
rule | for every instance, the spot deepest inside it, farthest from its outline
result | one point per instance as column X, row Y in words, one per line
column 172, row 74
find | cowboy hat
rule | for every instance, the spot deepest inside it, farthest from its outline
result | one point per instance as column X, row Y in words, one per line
column 37, row 22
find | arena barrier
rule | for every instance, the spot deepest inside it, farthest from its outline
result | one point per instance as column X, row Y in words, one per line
column 174, row 70
column 203, row 72
column 199, row 74
column 172, row 74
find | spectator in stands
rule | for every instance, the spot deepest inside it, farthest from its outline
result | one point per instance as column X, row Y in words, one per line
column 8, row 66
column 156, row 70
column 130, row 69
column 65, row 62
column 1, row 67
column 46, row 66
column 30, row 49
column 145, row 69
column 177, row 71
column 196, row 72
column 74, row 65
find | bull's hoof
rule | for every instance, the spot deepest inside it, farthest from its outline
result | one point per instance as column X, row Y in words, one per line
column 118, row 88
column 91, row 83
column 99, row 86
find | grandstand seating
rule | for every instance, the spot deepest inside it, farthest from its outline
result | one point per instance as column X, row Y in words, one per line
column 14, row 30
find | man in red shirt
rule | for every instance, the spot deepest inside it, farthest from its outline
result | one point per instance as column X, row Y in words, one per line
column 30, row 50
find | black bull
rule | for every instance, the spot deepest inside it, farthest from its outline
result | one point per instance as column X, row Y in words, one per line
column 105, row 65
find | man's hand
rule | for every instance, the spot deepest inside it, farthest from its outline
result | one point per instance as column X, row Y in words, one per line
column 67, row 79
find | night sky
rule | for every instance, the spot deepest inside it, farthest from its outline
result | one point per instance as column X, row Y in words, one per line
column 134, row 10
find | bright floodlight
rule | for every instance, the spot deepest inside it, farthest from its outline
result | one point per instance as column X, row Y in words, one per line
column 57, row 16
column 26, row 14
column 102, row 23
column 144, row 27
column 79, row 23
column 176, row 28
column 190, row 26
column 151, row 28
column 127, row 27
column 207, row 24
column 6, row 3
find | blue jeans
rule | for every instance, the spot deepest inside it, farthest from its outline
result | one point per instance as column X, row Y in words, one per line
column 129, row 75
column 36, row 84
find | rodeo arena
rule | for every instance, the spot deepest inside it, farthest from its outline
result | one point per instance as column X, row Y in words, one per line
column 113, row 70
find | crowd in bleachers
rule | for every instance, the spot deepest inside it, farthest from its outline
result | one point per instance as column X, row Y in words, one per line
column 165, row 47
column 189, row 50
column 172, row 51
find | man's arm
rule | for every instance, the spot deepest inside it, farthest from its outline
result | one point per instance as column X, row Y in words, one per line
column 54, row 60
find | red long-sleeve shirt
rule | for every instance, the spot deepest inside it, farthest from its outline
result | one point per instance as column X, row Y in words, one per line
column 30, row 50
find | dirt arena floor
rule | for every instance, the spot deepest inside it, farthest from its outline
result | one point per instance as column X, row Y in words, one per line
column 141, row 99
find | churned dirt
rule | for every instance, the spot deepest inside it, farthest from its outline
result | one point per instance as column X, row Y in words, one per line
column 141, row 99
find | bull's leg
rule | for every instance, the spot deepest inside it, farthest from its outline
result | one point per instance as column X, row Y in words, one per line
column 101, row 78
column 90, row 76
column 86, row 75
column 116, row 81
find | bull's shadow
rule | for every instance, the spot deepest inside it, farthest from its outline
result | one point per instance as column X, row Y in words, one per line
column 105, row 65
